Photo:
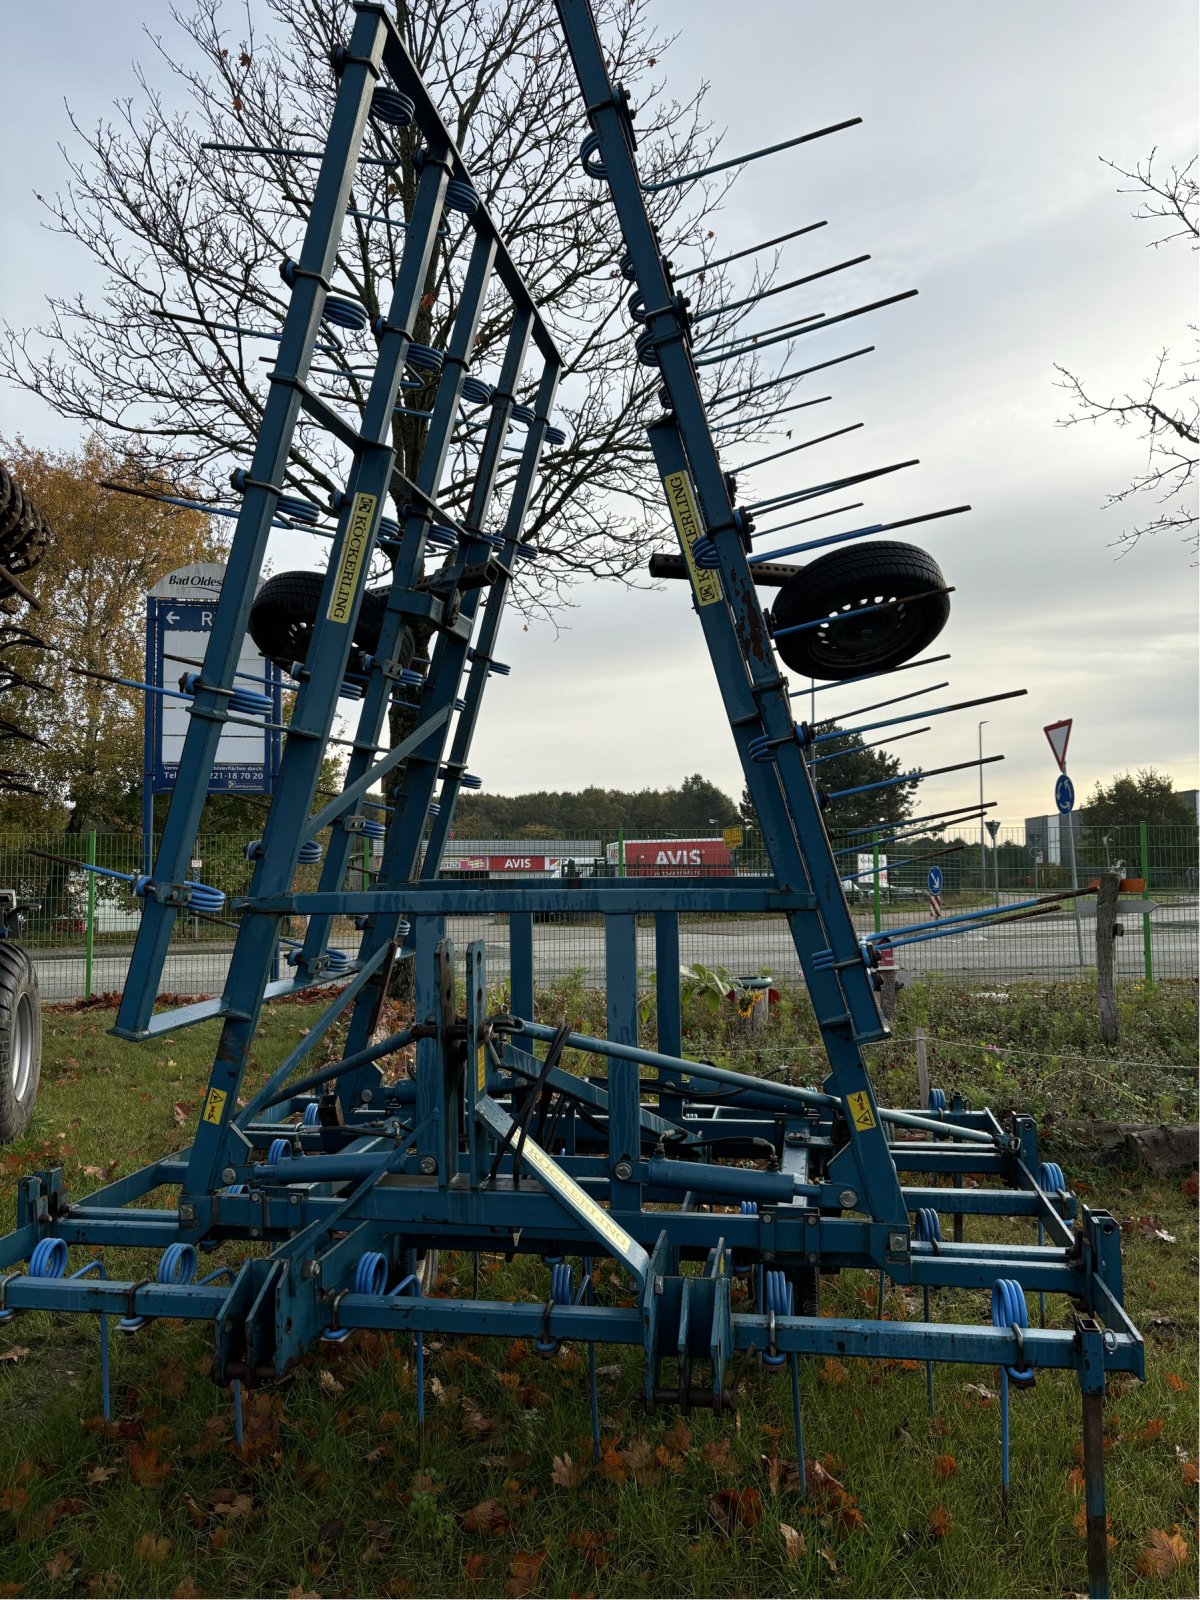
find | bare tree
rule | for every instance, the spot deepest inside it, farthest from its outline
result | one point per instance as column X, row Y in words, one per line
column 191, row 240
column 1164, row 405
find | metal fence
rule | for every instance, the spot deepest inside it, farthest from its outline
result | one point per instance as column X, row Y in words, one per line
column 79, row 926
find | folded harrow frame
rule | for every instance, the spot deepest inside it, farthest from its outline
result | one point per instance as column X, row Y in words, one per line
column 687, row 1176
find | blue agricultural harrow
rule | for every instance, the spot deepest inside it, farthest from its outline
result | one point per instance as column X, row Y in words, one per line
column 344, row 1179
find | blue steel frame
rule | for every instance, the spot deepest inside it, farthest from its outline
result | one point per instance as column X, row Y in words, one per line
column 338, row 1178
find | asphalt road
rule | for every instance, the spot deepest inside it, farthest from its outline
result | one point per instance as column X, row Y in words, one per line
column 1035, row 948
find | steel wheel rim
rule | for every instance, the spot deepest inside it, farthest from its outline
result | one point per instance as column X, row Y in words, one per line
column 21, row 1052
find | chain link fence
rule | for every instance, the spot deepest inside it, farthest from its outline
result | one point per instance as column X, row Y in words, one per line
column 79, row 926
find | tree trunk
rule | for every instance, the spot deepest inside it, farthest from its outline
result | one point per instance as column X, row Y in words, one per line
column 1106, row 955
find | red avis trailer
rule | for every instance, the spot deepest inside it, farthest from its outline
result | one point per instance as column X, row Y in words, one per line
column 672, row 858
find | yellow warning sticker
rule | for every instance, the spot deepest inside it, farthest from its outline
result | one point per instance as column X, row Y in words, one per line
column 860, row 1110
column 214, row 1105
column 481, row 1069
column 706, row 583
column 350, row 567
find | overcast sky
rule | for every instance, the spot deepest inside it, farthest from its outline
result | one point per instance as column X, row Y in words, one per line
column 975, row 179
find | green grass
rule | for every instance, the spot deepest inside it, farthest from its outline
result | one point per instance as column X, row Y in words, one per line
column 339, row 1496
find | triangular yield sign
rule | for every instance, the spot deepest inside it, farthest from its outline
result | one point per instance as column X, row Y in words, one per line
column 1058, row 733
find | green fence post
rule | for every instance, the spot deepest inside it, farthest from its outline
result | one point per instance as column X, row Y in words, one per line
column 1147, row 947
column 875, row 882
column 620, row 851
column 89, row 936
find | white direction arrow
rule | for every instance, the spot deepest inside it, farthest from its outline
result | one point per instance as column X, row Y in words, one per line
column 1058, row 734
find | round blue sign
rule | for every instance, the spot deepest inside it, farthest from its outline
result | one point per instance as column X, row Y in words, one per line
column 1064, row 794
column 935, row 880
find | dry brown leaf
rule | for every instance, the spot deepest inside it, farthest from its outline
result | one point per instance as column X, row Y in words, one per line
column 153, row 1549
column 1164, row 1554
column 189, row 1589
column 488, row 1519
column 231, row 1503
column 591, row 1545
column 736, row 1508
column 474, row 1566
column 146, row 1467
column 100, row 1474
column 524, row 1572
column 946, row 1466
column 939, row 1522
column 1176, row 1382
column 793, row 1542
column 102, row 1584
column 568, row 1474
column 329, row 1383
column 1190, row 1472
column 828, row 1557
column 832, row 1372
column 1075, row 1481
column 718, row 1453
column 60, row 1563
column 678, row 1437
column 1151, row 1431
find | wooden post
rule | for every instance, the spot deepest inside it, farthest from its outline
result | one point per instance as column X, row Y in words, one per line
column 1106, row 955
column 922, row 1071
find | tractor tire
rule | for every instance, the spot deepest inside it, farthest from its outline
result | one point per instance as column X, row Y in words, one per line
column 285, row 610
column 844, row 580
column 20, row 1041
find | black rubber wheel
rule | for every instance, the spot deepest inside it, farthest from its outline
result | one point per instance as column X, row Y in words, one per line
column 844, row 580
column 20, row 1041
column 285, row 609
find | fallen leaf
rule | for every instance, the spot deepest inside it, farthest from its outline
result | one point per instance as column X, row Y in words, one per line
column 1080, row 1523
column 678, row 1437
column 1075, row 1480
column 718, row 1453
column 60, row 1563
column 153, row 1549
column 189, row 1589
column 1190, row 1472
column 146, row 1467
column 568, row 1474
column 1151, row 1431
column 735, row 1508
column 230, row 1503
column 524, row 1569
column 1164, row 1553
column 793, row 1542
column 986, row 1395
column 642, row 1461
column 832, row 1372
column 939, row 1522
column 102, row 1584
column 15, row 1352
column 100, row 1474
column 488, row 1519
column 474, row 1566
column 828, row 1557
column 592, row 1545
column 329, row 1383
column 945, row 1465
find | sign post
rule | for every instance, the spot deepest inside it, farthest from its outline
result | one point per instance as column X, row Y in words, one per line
column 934, row 881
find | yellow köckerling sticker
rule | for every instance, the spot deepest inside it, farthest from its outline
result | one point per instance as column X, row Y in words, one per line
column 860, row 1110
column 706, row 583
column 214, row 1105
column 350, row 567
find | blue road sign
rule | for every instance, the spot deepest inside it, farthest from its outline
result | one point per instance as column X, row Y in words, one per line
column 1064, row 794
column 935, row 880
column 177, row 629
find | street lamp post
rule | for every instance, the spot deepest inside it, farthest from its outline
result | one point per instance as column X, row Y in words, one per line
column 982, row 830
